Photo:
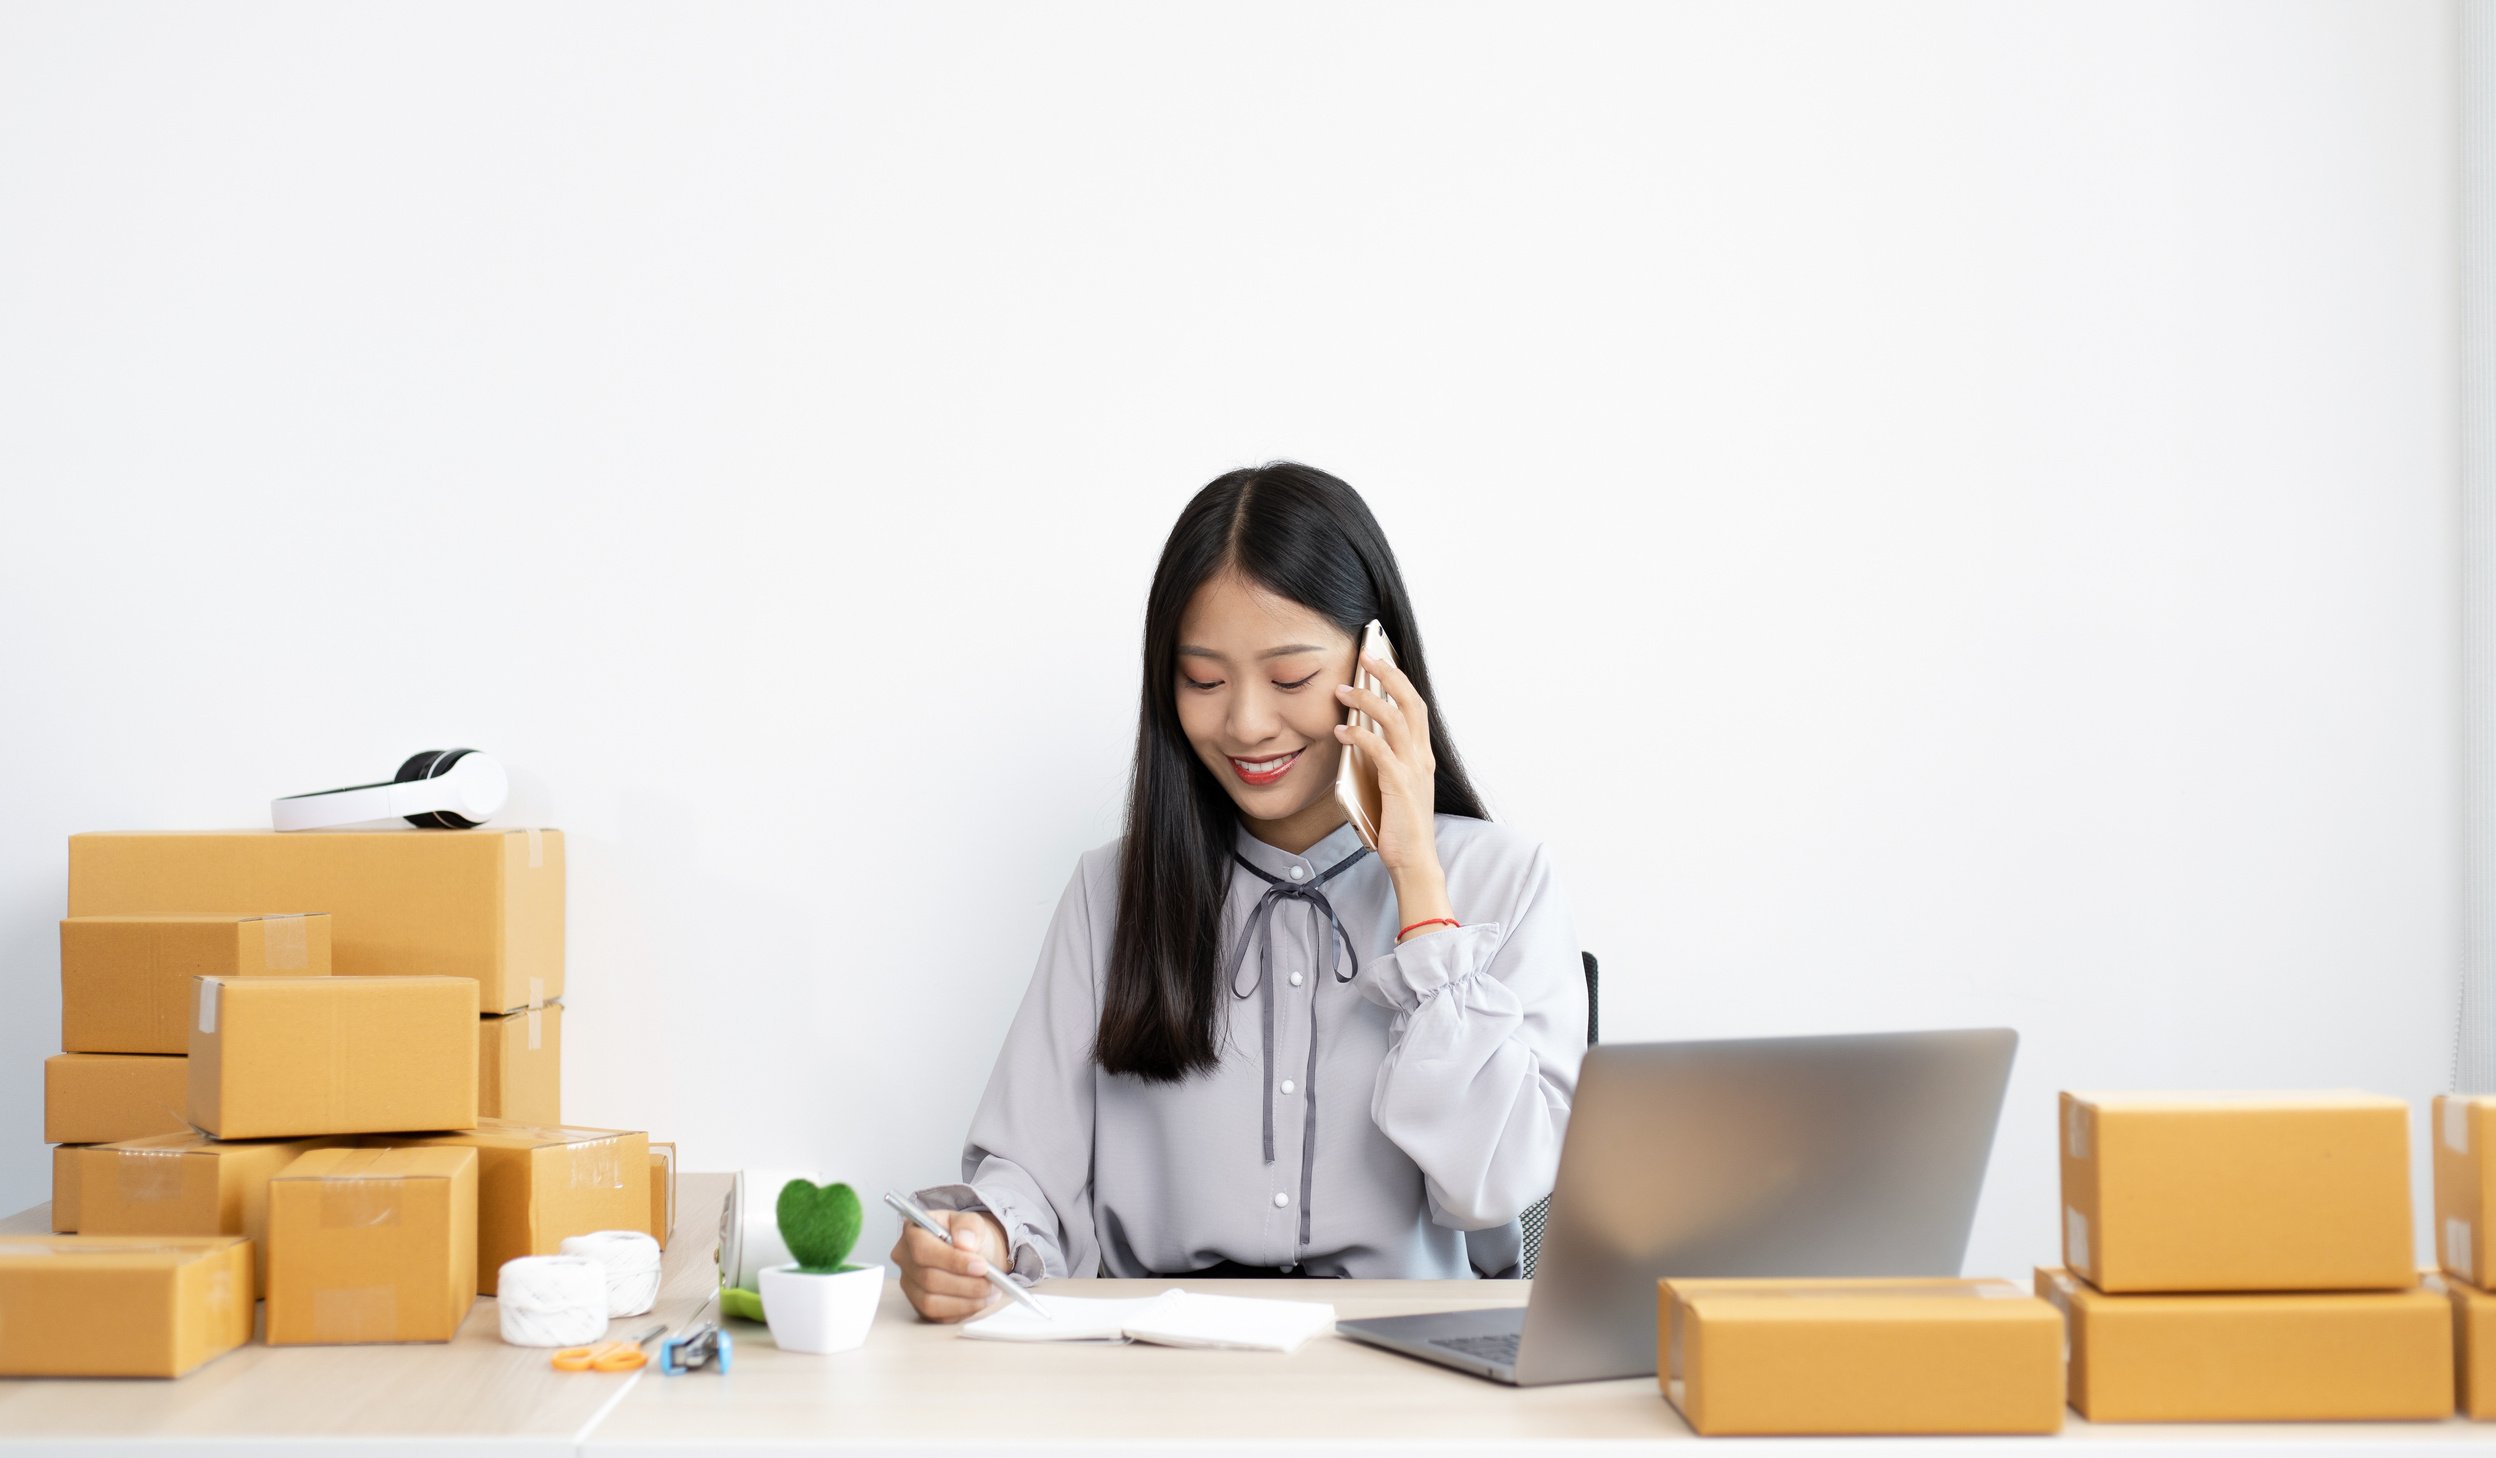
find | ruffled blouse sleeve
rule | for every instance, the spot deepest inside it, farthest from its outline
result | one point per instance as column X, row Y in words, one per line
column 1488, row 1030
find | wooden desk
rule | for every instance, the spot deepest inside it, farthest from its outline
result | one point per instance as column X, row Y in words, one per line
column 918, row 1386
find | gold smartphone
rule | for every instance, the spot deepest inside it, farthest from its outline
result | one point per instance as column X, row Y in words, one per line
column 1356, row 779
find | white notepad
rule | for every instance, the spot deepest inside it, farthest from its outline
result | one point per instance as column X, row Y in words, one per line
column 1175, row 1318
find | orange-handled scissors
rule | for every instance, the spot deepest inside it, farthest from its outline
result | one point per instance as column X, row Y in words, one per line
column 607, row 1356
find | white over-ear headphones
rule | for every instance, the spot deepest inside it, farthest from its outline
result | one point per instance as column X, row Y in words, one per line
column 445, row 789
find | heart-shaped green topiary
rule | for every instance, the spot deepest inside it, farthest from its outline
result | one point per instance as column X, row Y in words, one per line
column 820, row 1224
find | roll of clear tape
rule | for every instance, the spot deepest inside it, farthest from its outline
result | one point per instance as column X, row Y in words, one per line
column 631, row 1260
column 552, row 1301
column 749, row 1225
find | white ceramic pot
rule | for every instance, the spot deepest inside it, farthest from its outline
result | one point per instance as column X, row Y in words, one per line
column 811, row 1313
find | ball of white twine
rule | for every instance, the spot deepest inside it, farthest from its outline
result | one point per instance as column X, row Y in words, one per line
column 631, row 1259
column 552, row 1301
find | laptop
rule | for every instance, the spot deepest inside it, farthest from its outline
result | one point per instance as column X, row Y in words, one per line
column 1854, row 1155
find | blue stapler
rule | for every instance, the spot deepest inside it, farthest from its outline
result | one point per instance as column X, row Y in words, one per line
column 705, row 1346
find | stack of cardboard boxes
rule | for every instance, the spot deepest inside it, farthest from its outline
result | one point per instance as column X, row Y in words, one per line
column 486, row 905
column 2465, row 1240
column 340, row 1047
column 126, row 1011
column 2227, row 1258
column 2245, row 1258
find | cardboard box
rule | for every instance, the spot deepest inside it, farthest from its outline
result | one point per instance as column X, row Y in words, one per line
column 1859, row 1356
column 482, row 904
column 96, row 1098
column 185, row 1184
column 2237, row 1192
column 662, row 1191
column 126, row 980
column 65, row 1188
column 2251, row 1357
column 537, row 1185
column 287, row 1056
column 121, row 1306
column 520, row 1066
column 2474, row 1345
column 372, row 1245
column 2464, row 1135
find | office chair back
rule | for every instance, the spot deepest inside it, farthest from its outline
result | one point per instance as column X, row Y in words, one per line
column 1533, row 1218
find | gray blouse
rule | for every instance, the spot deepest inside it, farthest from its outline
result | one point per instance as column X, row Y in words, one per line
column 1378, row 1111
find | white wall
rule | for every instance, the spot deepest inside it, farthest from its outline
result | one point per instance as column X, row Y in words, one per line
column 1940, row 514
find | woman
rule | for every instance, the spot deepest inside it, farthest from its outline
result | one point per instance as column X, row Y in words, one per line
column 1252, row 1046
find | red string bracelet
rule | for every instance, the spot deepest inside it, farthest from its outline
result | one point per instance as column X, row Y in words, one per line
column 1434, row 921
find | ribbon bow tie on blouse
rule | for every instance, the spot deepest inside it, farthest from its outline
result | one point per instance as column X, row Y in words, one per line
column 1260, row 929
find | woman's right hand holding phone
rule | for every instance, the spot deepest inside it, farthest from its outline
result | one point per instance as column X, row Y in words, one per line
column 943, row 1281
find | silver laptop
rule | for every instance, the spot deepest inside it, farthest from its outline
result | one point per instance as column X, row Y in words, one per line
column 1857, row 1155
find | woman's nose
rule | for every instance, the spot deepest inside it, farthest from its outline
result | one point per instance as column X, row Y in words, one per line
column 1254, row 719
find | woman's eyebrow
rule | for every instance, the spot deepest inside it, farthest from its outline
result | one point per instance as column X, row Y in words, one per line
column 1190, row 650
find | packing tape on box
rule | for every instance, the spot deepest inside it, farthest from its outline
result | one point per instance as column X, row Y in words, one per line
column 537, row 849
column 2076, row 1134
column 225, row 1293
column 2457, row 1249
column 598, row 1164
column 352, row 1163
column 552, row 1301
column 593, row 1158
column 283, row 943
column 147, row 1176
column 344, row 1314
column 536, row 1030
column 2058, row 1296
column 559, row 1133
column 1804, row 1289
column 351, row 1203
column 2456, row 1126
column 631, row 1260
column 207, row 1004
column 2076, row 1240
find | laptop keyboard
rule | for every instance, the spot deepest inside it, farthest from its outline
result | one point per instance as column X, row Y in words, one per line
column 1500, row 1347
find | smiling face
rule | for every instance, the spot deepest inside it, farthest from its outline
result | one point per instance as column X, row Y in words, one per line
column 1256, row 693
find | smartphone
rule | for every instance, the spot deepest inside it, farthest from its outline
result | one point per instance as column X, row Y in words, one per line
column 1356, row 779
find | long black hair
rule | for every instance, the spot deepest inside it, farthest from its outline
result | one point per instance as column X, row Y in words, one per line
column 1303, row 535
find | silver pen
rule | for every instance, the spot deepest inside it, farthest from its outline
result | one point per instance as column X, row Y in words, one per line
column 911, row 1212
